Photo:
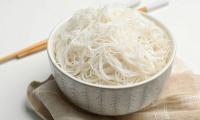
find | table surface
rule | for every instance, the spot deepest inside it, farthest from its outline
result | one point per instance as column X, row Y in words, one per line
column 24, row 22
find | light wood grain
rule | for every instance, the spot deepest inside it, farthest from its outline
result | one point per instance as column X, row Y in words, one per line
column 26, row 51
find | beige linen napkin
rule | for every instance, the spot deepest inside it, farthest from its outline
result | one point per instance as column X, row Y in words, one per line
column 180, row 100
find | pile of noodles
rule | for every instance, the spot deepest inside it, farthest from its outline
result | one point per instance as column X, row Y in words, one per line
column 111, row 46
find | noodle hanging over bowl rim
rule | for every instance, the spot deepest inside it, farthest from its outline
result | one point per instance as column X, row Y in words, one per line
column 50, row 51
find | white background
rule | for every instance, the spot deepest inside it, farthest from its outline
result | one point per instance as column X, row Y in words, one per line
column 23, row 22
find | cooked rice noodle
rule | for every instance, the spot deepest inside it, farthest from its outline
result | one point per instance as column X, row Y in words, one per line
column 111, row 46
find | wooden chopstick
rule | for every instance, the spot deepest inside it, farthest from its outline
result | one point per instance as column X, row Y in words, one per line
column 26, row 51
column 143, row 9
column 31, row 51
column 38, row 47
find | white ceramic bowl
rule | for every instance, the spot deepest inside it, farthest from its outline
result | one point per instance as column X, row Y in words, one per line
column 109, row 100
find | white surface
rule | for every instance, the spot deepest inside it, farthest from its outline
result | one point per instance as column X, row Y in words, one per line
column 24, row 22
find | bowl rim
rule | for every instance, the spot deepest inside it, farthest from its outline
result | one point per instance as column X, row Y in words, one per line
column 169, row 63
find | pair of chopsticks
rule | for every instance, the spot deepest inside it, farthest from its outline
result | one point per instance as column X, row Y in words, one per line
column 42, row 45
